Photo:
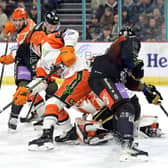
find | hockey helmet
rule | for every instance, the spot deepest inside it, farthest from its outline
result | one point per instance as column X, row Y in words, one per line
column 126, row 31
column 19, row 13
column 37, row 38
column 51, row 18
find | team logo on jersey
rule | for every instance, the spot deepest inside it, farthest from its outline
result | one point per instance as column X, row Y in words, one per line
column 105, row 96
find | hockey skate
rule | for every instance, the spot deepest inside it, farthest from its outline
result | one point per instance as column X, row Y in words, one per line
column 130, row 152
column 69, row 137
column 45, row 142
column 12, row 124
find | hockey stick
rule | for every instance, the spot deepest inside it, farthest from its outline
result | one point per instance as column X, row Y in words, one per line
column 3, row 65
column 164, row 110
column 28, row 90
column 32, row 104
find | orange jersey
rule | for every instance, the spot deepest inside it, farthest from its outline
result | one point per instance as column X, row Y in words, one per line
column 23, row 33
column 55, row 40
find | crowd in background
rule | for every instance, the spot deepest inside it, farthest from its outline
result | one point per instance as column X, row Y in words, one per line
column 8, row 6
column 145, row 16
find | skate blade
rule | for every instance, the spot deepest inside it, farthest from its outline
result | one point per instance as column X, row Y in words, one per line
column 45, row 147
column 12, row 131
column 97, row 141
column 127, row 158
column 70, row 142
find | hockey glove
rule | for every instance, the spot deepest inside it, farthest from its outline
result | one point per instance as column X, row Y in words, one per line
column 7, row 59
column 21, row 96
column 152, row 95
column 68, row 56
column 137, row 71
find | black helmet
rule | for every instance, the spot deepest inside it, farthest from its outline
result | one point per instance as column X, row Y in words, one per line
column 126, row 31
column 52, row 18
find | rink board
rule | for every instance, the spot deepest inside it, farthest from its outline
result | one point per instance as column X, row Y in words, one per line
column 154, row 55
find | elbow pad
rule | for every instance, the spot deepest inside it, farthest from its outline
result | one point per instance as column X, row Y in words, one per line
column 70, row 37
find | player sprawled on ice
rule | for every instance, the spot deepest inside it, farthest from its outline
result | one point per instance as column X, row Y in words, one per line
column 25, row 58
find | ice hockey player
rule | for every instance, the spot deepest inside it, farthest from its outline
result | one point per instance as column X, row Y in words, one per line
column 110, row 77
column 26, row 60
column 58, row 50
column 22, row 25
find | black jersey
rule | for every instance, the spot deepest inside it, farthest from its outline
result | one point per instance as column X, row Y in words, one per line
column 25, row 56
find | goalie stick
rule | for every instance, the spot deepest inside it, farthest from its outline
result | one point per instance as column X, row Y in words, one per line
column 3, row 65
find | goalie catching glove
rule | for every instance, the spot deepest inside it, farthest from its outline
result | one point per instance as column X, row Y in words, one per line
column 21, row 95
column 152, row 94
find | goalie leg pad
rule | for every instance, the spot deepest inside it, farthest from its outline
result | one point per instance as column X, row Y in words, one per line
column 91, row 132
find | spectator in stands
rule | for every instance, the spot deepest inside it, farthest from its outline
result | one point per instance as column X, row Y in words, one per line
column 115, row 30
column 157, row 16
column 135, row 11
column 141, row 26
column 153, row 32
column 3, row 19
column 160, row 4
column 125, row 17
column 33, row 13
column 96, row 3
column 127, row 3
column 3, row 5
column 106, row 35
column 94, row 29
column 147, row 6
column 11, row 5
column 21, row 4
column 113, row 5
column 107, row 18
column 99, row 12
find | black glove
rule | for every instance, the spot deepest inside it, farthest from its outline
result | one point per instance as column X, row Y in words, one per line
column 152, row 95
column 58, row 68
column 137, row 71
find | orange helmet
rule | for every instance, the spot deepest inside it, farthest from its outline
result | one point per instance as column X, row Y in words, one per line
column 19, row 13
column 37, row 37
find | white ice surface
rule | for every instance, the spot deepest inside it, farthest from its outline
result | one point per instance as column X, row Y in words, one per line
column 14, row 153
